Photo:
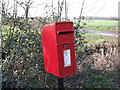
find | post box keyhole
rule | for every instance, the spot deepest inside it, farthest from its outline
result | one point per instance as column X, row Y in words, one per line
column 66, row 45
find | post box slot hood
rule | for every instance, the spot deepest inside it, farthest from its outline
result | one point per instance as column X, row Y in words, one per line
column 65, row 32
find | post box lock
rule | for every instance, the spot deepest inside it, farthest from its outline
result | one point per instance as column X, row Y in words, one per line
column 66, row 45
column 59, row 49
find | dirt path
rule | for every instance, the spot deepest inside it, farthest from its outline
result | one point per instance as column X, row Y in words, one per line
column 106, row 33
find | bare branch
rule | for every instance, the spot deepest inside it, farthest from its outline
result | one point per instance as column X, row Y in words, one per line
column 60, row 8
column 26, row 5
column 21, row 4
column 82, row 8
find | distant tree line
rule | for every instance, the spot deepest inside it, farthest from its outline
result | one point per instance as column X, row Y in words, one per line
column 96, row 18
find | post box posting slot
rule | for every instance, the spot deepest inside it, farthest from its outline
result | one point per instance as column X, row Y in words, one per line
column 65, row 32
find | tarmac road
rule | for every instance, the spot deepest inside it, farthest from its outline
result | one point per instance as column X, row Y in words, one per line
column 105, row 33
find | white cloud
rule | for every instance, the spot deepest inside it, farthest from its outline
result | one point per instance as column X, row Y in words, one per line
column 105, row 8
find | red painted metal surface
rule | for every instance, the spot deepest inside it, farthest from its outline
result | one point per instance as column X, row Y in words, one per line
column 59, row 49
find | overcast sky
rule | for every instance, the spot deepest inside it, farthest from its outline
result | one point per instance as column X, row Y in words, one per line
column 106, row 8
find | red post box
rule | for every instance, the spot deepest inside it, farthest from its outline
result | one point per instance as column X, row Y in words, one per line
column 59, row 49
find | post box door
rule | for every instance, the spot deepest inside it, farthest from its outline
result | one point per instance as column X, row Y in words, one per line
column 67, row 62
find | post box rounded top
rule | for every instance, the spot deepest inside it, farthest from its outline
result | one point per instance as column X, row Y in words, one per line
column 64, row 22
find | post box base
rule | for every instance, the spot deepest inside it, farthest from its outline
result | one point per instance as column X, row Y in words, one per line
column 67, row 75
column 63, row 75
